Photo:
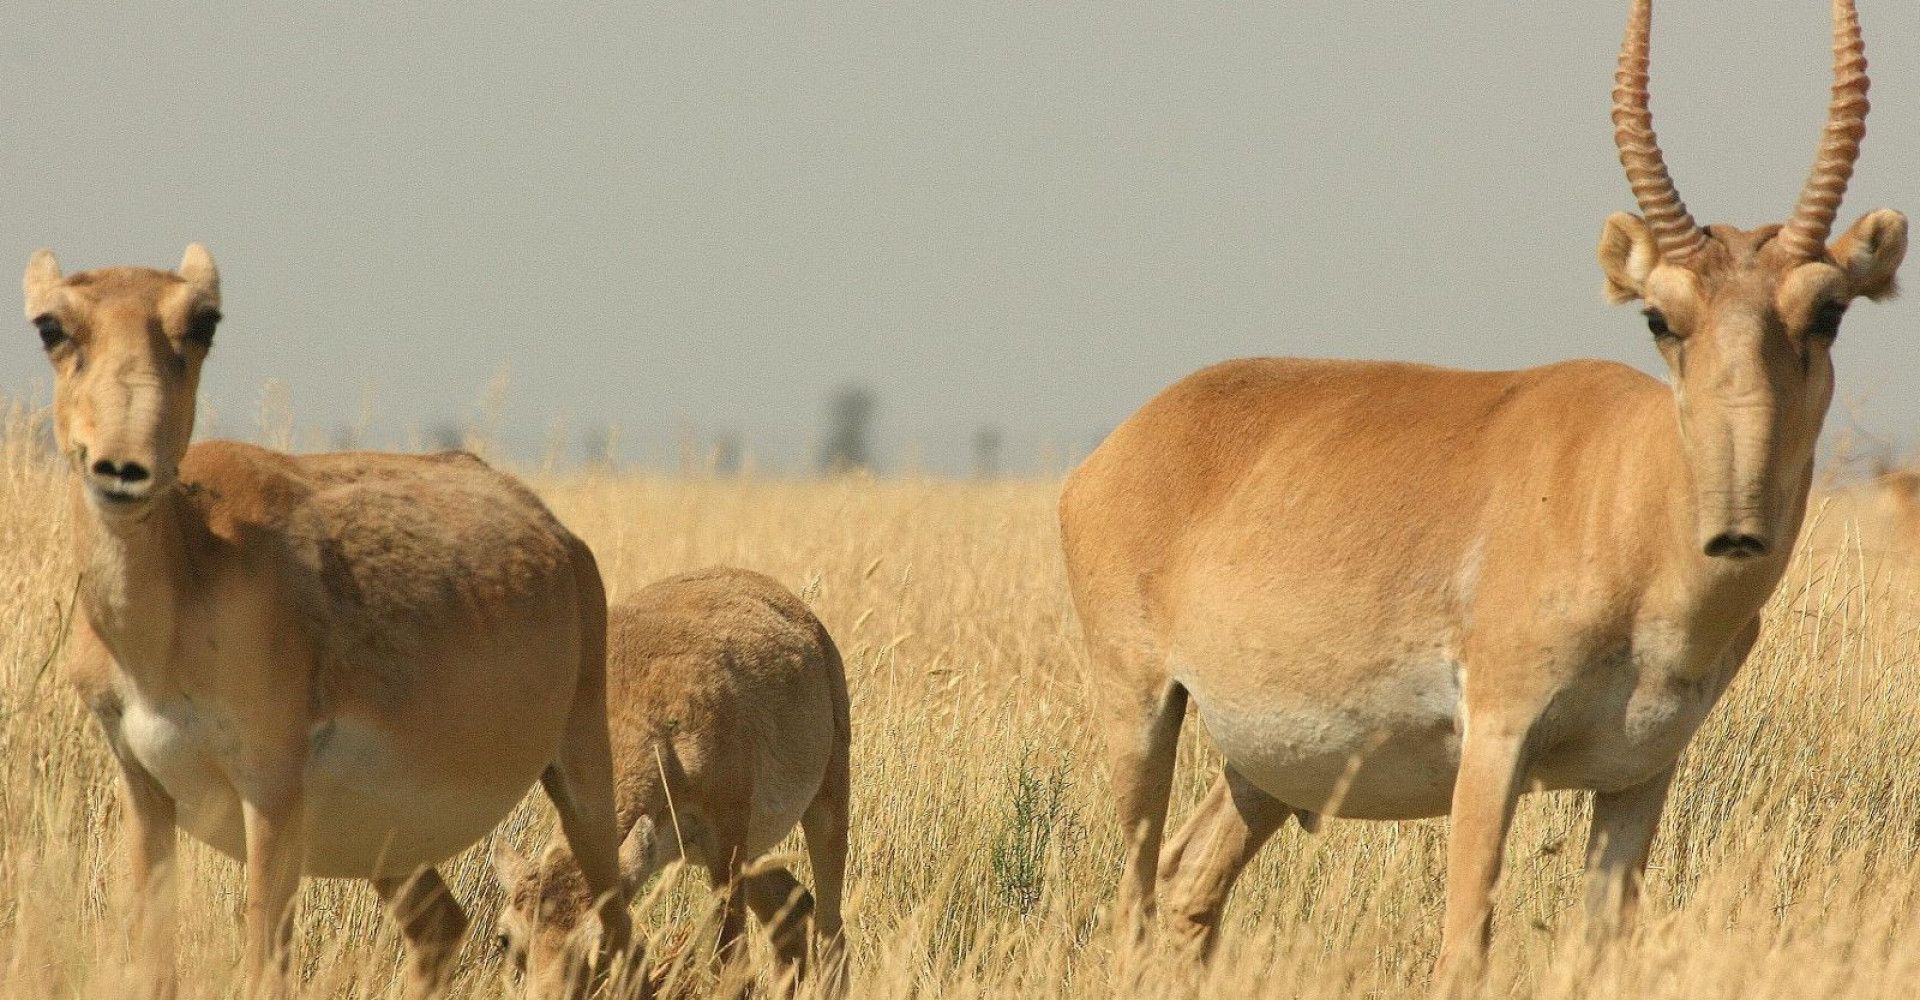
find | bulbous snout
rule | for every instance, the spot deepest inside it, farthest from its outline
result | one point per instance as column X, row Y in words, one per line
column 115, row 481
column 126, row 428
column 1737, row 544
column 567, row 978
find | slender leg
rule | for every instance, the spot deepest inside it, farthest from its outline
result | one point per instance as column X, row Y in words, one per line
column 580, row 783
column 150, row 857
column 785, row 908
column 726, row 880
column 825, row 823
column 1143, row 730
column 1624, row 823
column 433, row 924
column 1206, row 856
column 726, row 855
column 1484, row 794
column 275, row 855
column 580, row 780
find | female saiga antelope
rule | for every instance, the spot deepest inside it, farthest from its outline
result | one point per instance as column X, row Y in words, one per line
column 729, row 718
column 1879, row 517
column 337, row 665
column 1398, row 591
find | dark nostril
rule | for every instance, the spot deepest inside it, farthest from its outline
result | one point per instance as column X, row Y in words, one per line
column 1730, row 545
column 126, row 472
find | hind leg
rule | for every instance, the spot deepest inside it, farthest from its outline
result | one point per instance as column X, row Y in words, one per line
column 580, row 779
column 784, row 907
column 432, row 923
column 1202, row 860
column 717, row 837
column 1140, row 711
column 724, row 861
column 826, row 825
column 580, row 783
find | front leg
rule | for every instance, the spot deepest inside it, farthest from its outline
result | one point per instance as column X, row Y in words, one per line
column 1624, row 823
column 1492, row 768
column 276, row 853
column 150, row 860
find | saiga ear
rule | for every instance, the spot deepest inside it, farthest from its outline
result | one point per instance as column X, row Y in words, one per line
column 508, row 866
column 1871, row 253
column 1627, row 255
column 196, row 267
column 43, row 276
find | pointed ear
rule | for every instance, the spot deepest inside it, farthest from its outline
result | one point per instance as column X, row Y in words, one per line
column 43, row 276
column 508, row 865
column 1871, row 253
column 1627, row 256
column 196, row 267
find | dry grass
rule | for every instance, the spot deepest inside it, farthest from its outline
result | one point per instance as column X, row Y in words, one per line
column 983, row 850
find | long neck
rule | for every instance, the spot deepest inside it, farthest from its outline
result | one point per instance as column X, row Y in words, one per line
column 131, row 575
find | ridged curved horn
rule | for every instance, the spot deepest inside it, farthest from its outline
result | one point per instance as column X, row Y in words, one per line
column 1674, row 230
column 1806, row 230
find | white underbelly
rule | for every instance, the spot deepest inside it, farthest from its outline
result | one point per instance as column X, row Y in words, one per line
column 1389, row 752
column 367, row 813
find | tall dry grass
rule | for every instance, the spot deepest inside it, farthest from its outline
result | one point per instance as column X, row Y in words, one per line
column 983, row 846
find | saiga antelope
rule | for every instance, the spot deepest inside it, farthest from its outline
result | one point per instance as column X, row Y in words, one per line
column 1397, row 591
column 728, row 709
column 1879, row 518
column 347, row 665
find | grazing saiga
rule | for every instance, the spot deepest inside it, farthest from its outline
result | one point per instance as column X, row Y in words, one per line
column 1396, row 591
column 728, row 709
column 345, row 665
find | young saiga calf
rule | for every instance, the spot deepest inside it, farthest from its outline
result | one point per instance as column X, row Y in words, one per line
column 728, row 710
column 347, row 665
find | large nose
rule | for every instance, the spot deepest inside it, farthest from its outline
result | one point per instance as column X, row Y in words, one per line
column 123, row 443
column 121, row 478
column 1736, row 545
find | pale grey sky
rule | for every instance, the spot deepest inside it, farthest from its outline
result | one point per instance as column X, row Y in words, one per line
column 1028, row 214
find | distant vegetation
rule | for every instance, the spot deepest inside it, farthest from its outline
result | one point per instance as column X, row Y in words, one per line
column 849, row 436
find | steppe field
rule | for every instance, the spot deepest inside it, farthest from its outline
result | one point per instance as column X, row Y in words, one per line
column 984, row 850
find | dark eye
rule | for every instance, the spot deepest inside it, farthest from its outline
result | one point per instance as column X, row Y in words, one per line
column 1657, row 322
column 200, row 330
column 1826, row 321
column 52, row 334
column 500, row 941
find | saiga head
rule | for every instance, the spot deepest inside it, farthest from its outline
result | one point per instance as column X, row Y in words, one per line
column 126, row 344
column 1746, row 319
column 546, row 927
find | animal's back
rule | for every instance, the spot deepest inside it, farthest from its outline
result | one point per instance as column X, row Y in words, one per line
column 1341, row 462
column 394, row 559
column 719, row 669
column 425, row 593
